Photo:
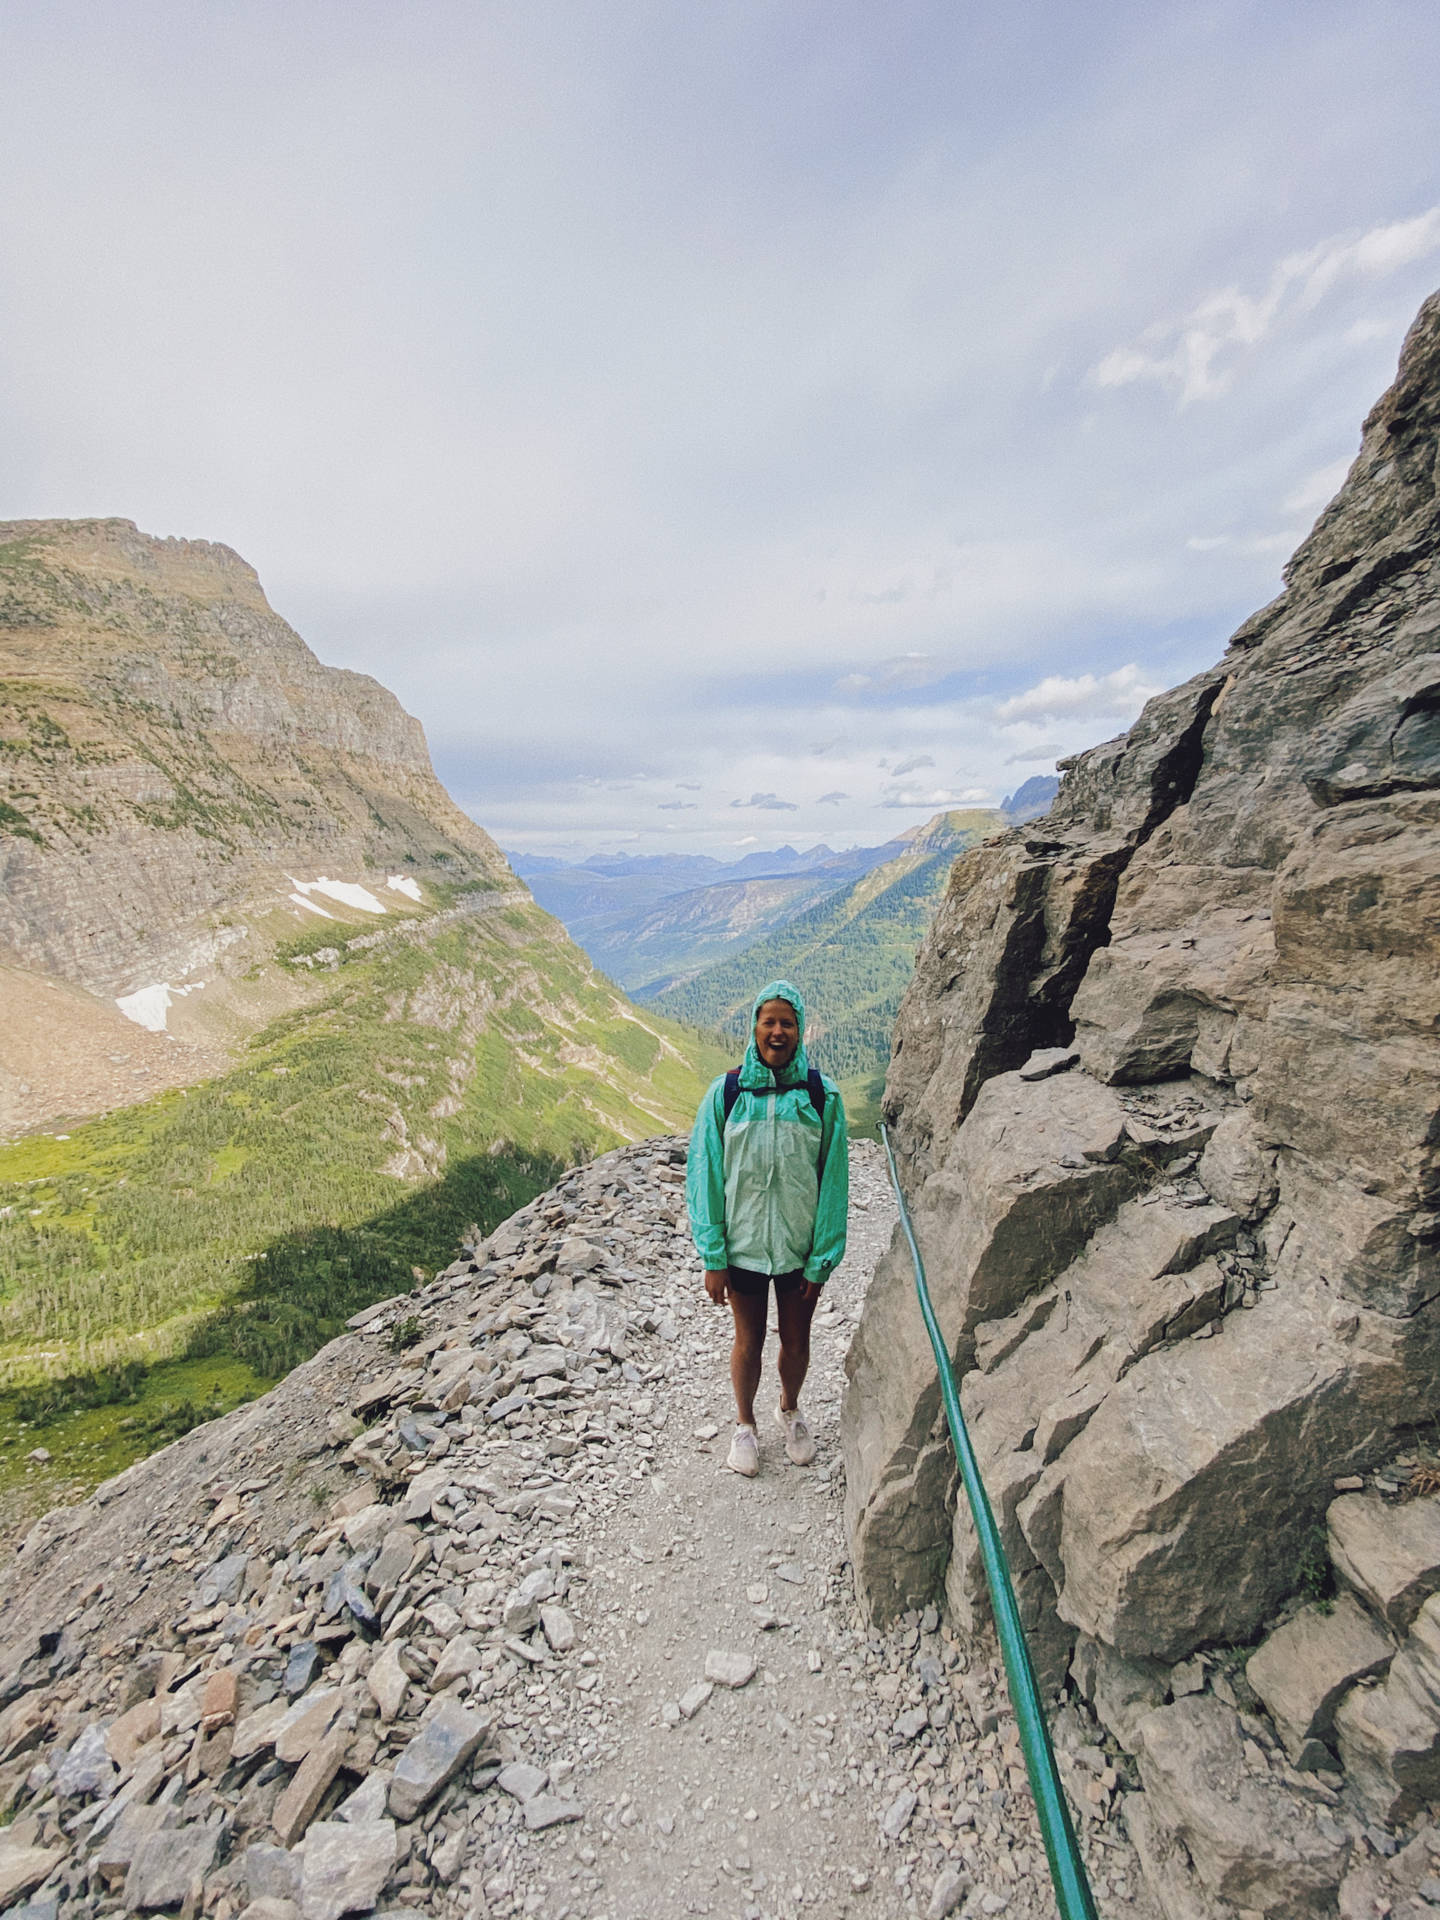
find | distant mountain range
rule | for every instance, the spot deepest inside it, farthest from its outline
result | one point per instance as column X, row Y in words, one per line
column 1032, row 798
column 649, row 920
column 851, row 954
column 656, row 922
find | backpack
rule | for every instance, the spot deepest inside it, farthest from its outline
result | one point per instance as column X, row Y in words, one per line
column 814, row 1086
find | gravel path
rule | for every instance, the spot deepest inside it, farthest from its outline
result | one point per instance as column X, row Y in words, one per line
column 854, row 1773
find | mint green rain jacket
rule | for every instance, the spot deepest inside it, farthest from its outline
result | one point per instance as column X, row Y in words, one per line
column 769, row 1188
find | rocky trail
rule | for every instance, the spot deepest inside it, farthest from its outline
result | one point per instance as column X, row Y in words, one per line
column 468, row 1617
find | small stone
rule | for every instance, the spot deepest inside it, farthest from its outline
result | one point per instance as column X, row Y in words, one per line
column 272, row 1873
column 461, row 1657
column 300, row 1802
column 792, row 1571
column 729, row 1669
column 367, row 1802
column 670, row 1713
column 40, row 1455
column 446, row 1860
column 558, row 1627
column 306, row 1724
column 135, row 1729
column 441, row 1618
column 897, row 1814
column 548, row 1810
column 302, row 1668
column 813, row 1661
column 23, row 1868
column 522, row 1781
column 346, row 1866
column 445, row 1743
column 757, row 1593
column 219, row 1699
column 522, row 1603
column 1187, row 1677
column 167, row 1865
column 86, row 1768
column 220, row 1584
column 1044, row 1062
column 1350, row 1483
column 694, row 1697
column 388, row 1681
column 859, row 1882
column 950, row 1888
column 912, row 1724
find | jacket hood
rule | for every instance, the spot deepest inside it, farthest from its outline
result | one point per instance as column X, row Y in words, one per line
column 754, row 1073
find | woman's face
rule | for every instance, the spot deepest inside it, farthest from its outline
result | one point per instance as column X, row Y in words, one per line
column 777, row 1033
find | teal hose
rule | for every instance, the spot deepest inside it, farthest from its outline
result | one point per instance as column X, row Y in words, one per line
column 1067, row 1869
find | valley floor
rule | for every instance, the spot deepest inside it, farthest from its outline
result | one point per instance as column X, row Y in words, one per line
column 495, row 1609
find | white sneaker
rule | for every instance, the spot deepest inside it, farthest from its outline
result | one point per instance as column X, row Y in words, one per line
column 744, row 1454
column 799, row 1441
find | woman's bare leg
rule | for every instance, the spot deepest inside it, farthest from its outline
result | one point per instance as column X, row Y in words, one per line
column 794, row 1312
column 747, row 1352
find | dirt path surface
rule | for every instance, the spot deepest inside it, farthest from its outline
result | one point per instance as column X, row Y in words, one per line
column 468, row 1618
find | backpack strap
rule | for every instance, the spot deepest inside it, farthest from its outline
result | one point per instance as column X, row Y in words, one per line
column 814, row 1086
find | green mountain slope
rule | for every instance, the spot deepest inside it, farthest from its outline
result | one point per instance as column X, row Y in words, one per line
column 851, row 955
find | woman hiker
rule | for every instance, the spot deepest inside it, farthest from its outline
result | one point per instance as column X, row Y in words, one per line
column 768, row 1188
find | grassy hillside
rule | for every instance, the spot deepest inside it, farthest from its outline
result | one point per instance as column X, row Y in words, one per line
column 851, row 956
column 203, row 1243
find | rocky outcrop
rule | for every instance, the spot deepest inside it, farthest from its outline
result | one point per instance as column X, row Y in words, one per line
column 1166, row 1092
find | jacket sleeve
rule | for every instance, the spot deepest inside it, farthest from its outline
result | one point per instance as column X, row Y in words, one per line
column 832, row 1210
column 705, row 1180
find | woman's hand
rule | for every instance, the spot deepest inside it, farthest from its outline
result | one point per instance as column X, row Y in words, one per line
column 717, row 1284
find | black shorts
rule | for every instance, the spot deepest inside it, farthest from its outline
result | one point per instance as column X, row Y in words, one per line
column 752, row 1286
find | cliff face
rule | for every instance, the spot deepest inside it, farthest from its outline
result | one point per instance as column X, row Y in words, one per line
column 171, row 752
column 1166, row 1090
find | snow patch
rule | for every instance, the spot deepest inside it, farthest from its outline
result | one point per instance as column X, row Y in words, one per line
column 150, row 1005
column 348, row 892
column 402, row 883
column 311, row 906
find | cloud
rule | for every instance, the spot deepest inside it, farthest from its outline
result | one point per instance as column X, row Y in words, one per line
column 1257, row 543
column 688, row 786
column 1051, row 750
column 831, row 799
column 1188, row 353
column 909, row 798
column 913, row 764
column 678, row 806
column 771, row 802
column 903, row 670
column 1086, row 695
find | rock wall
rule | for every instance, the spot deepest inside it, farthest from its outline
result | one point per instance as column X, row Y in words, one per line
column 170, row 749
column 1166, row 1092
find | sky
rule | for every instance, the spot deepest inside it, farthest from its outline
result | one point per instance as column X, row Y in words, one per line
column 722, row 425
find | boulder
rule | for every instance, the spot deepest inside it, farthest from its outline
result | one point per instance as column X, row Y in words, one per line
column 1178, row 1515
column 346, row 1866
column 450, row 1737
column 1389, row 1735
column 1389, row 1554
column 1304, row 1667
column 1251, row 1844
